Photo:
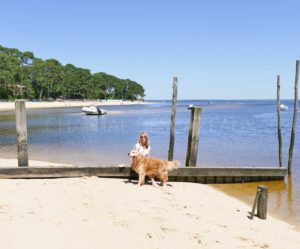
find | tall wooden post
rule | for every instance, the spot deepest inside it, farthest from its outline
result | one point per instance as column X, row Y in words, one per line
column 21, row 125
column 294, row 119
column 279, row 122
column 173, row 119
column 193, row 140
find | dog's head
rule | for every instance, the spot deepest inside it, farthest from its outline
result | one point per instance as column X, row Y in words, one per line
column 133, row 154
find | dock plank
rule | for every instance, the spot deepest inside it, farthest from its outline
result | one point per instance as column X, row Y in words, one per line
column 204, row 175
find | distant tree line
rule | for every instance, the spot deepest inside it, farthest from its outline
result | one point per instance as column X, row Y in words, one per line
column 22, row 75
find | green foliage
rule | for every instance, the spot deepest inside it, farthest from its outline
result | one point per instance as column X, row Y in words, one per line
column 22, row 75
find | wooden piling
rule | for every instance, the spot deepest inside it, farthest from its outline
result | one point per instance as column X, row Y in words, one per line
column 255, row 203
column 294, row 119
column 262, row 202
column 173, row 120
column 193, row 139
column 21, row 125
column 279, row 122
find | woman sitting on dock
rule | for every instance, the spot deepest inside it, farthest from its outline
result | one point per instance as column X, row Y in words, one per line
column 143, row 144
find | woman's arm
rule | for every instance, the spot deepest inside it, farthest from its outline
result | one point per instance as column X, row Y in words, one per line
column 137, row 146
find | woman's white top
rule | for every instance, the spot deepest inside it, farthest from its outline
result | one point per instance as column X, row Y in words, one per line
column 142, row 150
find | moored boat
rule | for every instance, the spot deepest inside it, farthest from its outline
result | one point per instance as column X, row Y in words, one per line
column 283, row 107
column 93, row 110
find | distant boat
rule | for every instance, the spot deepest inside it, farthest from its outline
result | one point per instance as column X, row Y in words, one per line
column 93, row 110
column 283, row 107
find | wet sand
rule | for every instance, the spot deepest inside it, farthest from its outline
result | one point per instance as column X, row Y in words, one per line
column 280, row 202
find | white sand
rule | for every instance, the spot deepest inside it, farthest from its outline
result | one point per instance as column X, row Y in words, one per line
column 32, row 163
column 93, row 212
column 6, row 106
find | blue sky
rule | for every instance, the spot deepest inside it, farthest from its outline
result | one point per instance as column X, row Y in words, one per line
column 218, row 49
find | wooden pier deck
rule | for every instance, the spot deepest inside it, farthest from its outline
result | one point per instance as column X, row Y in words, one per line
column 187, row 174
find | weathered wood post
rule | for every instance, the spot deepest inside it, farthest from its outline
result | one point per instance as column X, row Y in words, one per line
column 193, row 139
column 279, row 122
column 21, row 125
column 254, row 204
column 260, row 202
column 294, row 119
column 173, row 119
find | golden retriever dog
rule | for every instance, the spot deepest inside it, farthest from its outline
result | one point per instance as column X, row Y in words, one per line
column 151, row 167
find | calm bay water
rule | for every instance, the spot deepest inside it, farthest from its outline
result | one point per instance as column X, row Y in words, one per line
column 233, row 133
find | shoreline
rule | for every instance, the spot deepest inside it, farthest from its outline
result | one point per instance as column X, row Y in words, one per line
column 154, row 215
column 246, row 193
column 9, row 106
column 13, row 162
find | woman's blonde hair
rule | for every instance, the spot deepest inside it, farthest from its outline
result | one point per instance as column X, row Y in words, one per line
column 147, row 144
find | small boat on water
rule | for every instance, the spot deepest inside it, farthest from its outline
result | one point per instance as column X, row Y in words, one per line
column 283, row 107
column 93, row 110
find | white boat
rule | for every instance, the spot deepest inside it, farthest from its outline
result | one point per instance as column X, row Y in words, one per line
column 93, row 110
column 283, row 107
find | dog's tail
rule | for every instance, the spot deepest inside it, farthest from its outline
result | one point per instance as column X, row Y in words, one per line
column 173, row 165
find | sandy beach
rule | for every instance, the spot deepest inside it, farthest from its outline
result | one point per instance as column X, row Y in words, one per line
column 7, row 106
column 93, row 212
column 14, row 163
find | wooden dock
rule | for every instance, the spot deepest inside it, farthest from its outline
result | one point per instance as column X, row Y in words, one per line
column 187, row 174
